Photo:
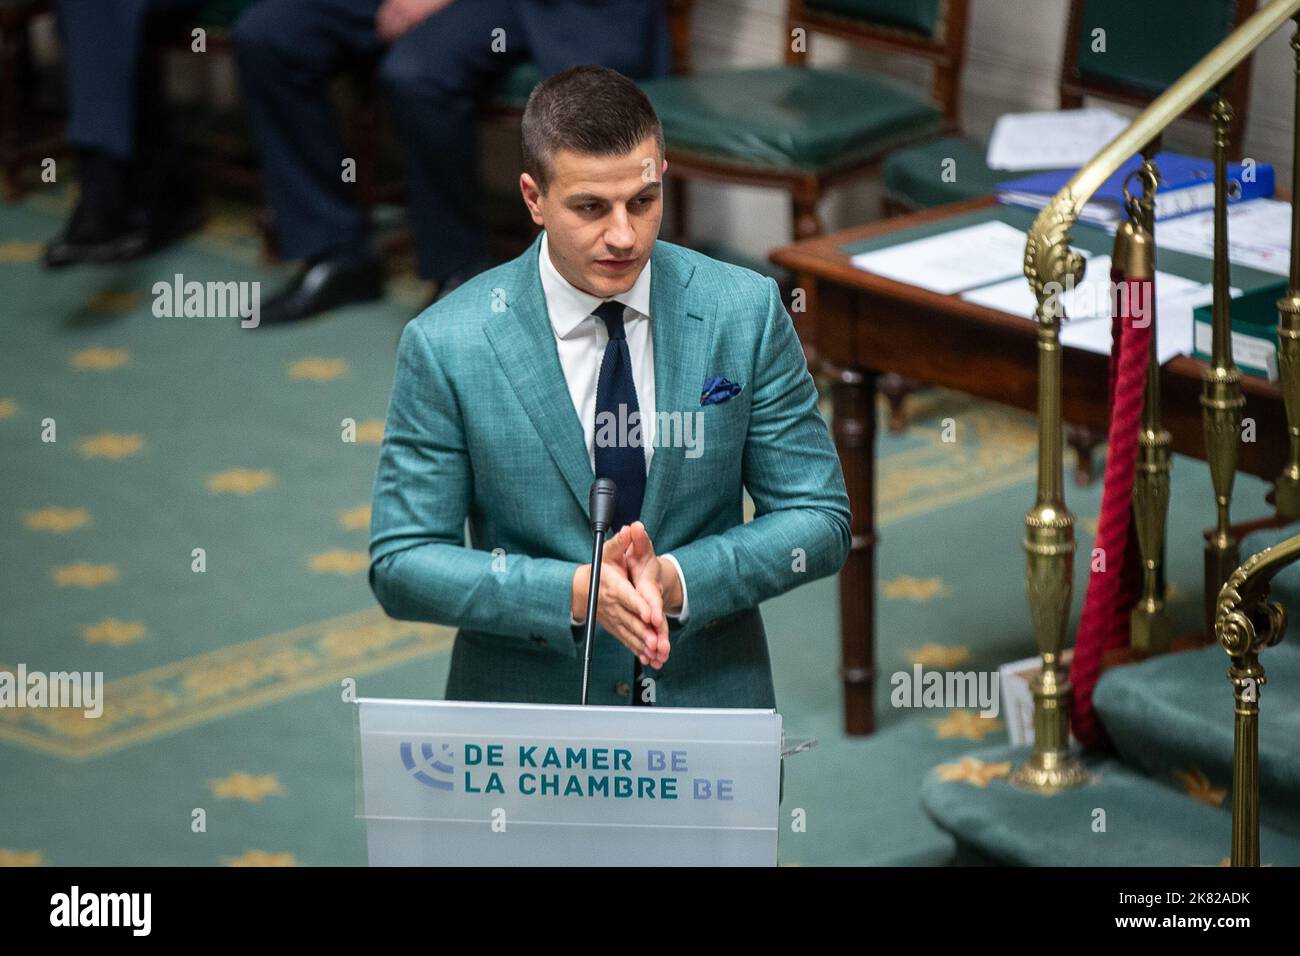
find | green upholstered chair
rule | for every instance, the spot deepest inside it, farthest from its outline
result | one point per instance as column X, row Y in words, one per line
column 1147, row 46
column 804, row 128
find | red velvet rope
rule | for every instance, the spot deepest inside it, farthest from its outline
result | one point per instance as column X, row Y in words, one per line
column 1104, row 623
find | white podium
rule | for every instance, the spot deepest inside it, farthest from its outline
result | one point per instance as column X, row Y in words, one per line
column 454, row 783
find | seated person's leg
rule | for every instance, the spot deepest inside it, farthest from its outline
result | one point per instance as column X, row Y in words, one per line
column 630, row 36
column 432, row 76
column 288, row 51
column 105, row 58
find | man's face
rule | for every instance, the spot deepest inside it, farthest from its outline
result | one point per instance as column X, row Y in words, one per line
column 601, row 215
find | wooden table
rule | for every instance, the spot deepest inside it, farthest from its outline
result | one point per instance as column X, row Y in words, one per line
column 858, row 326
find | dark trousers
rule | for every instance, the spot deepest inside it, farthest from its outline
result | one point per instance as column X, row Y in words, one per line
column 115, row 92
column 288, row 50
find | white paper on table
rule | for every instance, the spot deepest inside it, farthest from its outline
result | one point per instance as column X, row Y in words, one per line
column 1054, row 139
column 1173, row 323
column 1088, row 307
column 951, row 261
column 1259, row 234
column 1016, row 297
column 1090, row 299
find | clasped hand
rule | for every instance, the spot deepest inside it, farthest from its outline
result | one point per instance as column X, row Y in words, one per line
column 637, row 590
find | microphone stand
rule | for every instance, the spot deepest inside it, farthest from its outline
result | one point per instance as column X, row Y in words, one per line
column 601, row 505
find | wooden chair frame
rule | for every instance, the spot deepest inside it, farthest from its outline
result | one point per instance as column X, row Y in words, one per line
column 946, row 53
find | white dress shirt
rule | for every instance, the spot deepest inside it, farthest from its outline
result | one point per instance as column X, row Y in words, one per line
column 580, row 340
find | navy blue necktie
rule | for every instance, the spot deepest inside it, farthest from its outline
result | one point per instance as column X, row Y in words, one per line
column 618, row 459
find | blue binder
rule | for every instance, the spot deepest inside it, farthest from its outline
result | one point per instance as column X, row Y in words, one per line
column 1186, row 186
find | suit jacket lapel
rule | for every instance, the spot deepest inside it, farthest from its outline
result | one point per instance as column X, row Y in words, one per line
column 524, row 343
column 681, row 327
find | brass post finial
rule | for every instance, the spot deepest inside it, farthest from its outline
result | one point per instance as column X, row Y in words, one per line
column 1150, row 630
column 1221, row 398
column 1245, row 623
column 1050, row 266
column 1288, row 331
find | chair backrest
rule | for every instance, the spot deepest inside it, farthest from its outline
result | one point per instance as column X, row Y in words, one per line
column 679, row 32
column 934, row 30
column 1130, row 51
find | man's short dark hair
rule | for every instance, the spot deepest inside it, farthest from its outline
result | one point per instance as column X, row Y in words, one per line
column 586, row 109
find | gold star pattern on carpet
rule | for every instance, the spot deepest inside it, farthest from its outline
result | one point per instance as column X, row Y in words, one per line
column 227, row 227
column 973, row 771
column 339, row 561
column 938, row 656
column 246, row 786
column 261, row 858
column 966, row 724
column 370, row 432
column 1198, row 786
column 56, row 520
column 100, row 359
column 114, row 632
column 82, row 574
column 907, row 588
column 8, row 408
column 111, row 445
column 316, row 369
column 19, row 251
column 21, row 857
column 355, row 518
column 113, row 300
column 240, row 481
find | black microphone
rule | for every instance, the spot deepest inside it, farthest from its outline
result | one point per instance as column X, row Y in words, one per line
column 601, row 505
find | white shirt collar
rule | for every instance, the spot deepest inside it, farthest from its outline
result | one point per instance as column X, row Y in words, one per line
column 568, row 306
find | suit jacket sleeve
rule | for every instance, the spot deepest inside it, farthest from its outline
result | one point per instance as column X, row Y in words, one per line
column 801, row 527
column 420, row 568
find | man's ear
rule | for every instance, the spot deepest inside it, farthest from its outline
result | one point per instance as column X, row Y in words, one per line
column 532, row 197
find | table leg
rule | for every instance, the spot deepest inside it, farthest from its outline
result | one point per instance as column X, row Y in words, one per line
column 853, row 401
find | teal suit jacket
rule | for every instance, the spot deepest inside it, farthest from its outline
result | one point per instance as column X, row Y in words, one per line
column 481, row 428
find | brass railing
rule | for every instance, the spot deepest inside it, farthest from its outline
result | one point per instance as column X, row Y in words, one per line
column 1241, row 619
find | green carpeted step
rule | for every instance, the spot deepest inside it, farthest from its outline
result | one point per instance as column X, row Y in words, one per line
column 1171, row 718
column 1119, row 818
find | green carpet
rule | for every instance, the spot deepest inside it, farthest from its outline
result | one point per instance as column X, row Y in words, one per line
column 1166, row 717
column 223, row 686
column 1118, row 818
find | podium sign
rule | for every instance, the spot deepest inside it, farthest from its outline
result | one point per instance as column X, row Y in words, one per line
column 447, row 783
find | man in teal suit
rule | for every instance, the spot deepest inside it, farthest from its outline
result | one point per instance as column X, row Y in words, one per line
column 603, row 351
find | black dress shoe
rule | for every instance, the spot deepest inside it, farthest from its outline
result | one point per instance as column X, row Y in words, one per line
column 105, row 247
column 325, row 285
column 134, row 233
column 96, row 231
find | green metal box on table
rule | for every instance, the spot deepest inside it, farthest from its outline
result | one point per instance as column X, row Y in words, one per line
column 1254, row 330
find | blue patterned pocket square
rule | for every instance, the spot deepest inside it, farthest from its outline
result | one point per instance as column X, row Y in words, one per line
column 718, row 389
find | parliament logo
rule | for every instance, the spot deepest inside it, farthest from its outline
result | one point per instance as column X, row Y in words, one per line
column 431, row 764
